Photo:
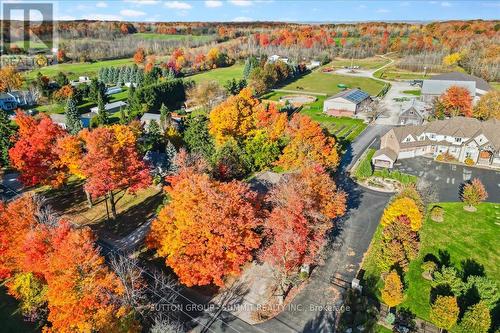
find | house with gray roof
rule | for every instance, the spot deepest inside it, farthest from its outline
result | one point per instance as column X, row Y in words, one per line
column 467, row 140
column 438, row 84
column 111, row 107
column 413, row 113
column 346, row 103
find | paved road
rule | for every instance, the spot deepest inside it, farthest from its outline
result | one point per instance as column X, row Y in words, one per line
column 448, row 178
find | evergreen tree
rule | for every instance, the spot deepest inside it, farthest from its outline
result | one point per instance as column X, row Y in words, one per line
column 165, row 117
column 102, row 115
column 6, row 132
column 123, row 117
column 197, row 137
column 73, row 122
column 170, row 154
column 154, row 137
column 250, row 64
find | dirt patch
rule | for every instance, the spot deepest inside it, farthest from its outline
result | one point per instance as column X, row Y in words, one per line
column 298, row 100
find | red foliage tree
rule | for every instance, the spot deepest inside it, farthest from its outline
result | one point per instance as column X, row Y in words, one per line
column 112, row 162
column 456, row 101
column 34, row 153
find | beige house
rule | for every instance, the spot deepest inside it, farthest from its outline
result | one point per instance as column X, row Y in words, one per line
column 346, row 103
column 462, row 138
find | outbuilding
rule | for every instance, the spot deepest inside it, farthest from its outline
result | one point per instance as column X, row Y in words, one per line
column 346, row 103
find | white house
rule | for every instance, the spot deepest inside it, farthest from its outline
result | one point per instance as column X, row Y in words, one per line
column 438, row 84
column 346, row 103
column 467, row 140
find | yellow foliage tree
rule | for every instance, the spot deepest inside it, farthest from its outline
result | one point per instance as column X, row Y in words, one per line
column 234, row 118
column 403, row 207
column 392, row 294
column 10, row 79
column 452, row 59
column 488, row 106
column 444, row 312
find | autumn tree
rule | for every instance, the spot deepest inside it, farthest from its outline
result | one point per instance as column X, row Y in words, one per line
column 10, row 79
column 444, row 312
column 473, row 193
column 234, row 118
column 139, row 56
column 304, row 204
column 488, row 106
column 33, row 153
column 399, row 246
column 205, row 94
column 392, row 294
column 112, row 163
column 456, row 101
column 403, row 207
column 204, row 253
column 477, row 319
column 308, row 142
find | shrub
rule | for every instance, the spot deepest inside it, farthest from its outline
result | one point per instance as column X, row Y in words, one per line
column 429, row 267
column 437, row 214
column 469, row 161
column 390, row 318
column 473, row 193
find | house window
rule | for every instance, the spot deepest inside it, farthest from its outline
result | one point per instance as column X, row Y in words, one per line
column 433, row 136
column 458, row 140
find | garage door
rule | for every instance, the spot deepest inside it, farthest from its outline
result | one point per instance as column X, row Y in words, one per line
column 406, row 154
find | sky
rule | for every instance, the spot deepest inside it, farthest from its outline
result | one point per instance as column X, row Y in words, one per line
column 274, row 10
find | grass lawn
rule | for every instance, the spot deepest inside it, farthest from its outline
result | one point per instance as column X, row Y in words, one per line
column 132, row 210
column 12, row 321
column 382, row 329
column 366, row 63
column 495, row 85
column 73, row 70
column 345, row 129
column 463, row 235
column 155, row 36
column 416, row 92
column 364, row 169
column 326, row 83
column 392, row 73
column 221, row 75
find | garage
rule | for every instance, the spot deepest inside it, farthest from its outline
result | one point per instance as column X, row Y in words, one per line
column 406, row 154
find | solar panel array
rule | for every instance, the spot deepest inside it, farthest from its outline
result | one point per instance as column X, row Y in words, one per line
column 357, row 96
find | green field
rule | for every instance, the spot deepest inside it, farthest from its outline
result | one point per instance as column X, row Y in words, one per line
column 367, row 63
column 495, row 85
column 464, row 235
column 416, row 92
column 391, row 73
column 73, row 70
column 221, row 75
column 155, row 36
column 326, row 83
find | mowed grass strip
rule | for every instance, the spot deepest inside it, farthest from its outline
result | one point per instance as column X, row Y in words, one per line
column 463, row 235
column 366, row 63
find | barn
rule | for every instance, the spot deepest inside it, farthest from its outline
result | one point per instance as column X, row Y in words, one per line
column 346, row 103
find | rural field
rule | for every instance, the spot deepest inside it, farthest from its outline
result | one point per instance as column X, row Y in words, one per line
column 326, row 83
column 455, row 237
column 220, row 75
column 366, row 63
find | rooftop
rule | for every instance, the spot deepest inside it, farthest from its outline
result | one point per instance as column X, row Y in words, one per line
column 354, row 95
column 457, row 76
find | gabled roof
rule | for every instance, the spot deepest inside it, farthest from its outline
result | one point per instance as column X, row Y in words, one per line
column 438, row 87
column 457, row 76
column 387, row 152
column 353, row 95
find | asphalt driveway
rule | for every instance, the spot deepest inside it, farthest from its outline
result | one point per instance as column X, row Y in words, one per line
column 447, row 178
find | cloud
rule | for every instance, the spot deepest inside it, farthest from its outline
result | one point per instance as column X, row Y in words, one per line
column 177, row 5
column 383, row 10
column 103, row 17
column 445, row 4
column 132, row 13
column 242, row 19
column 101, row 4
column 143, row 2
column 213, row 3
column 241, row 3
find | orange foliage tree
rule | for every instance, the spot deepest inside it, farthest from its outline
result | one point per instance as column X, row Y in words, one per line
column 112, row 162
column 308, row 142
column 456, row 101
column 234, row 118
column 392, row 293
column 34, row 153
column 207, row 230
column 139, row 56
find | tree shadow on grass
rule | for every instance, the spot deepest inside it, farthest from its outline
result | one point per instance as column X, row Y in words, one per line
column 470, row 267
column 129, row 220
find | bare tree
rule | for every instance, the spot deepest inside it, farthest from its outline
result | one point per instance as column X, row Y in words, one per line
column 165, row 325
column 130, row 275
column 206, row 95
column 374, row 110
column 428, row 192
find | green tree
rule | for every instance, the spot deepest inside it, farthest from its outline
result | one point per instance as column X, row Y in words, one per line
column 444, row 312
column 477, row 319
column 165, row 117
column 250, row 63
column 486, row 288
column 230, row 161
column 170, row 155
column 61, row 79
column 154, row 138
column 6, row 132
column 448, row 276
column 73, row 122
column 102, row 114
column 262, row 151
column 197, row 137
